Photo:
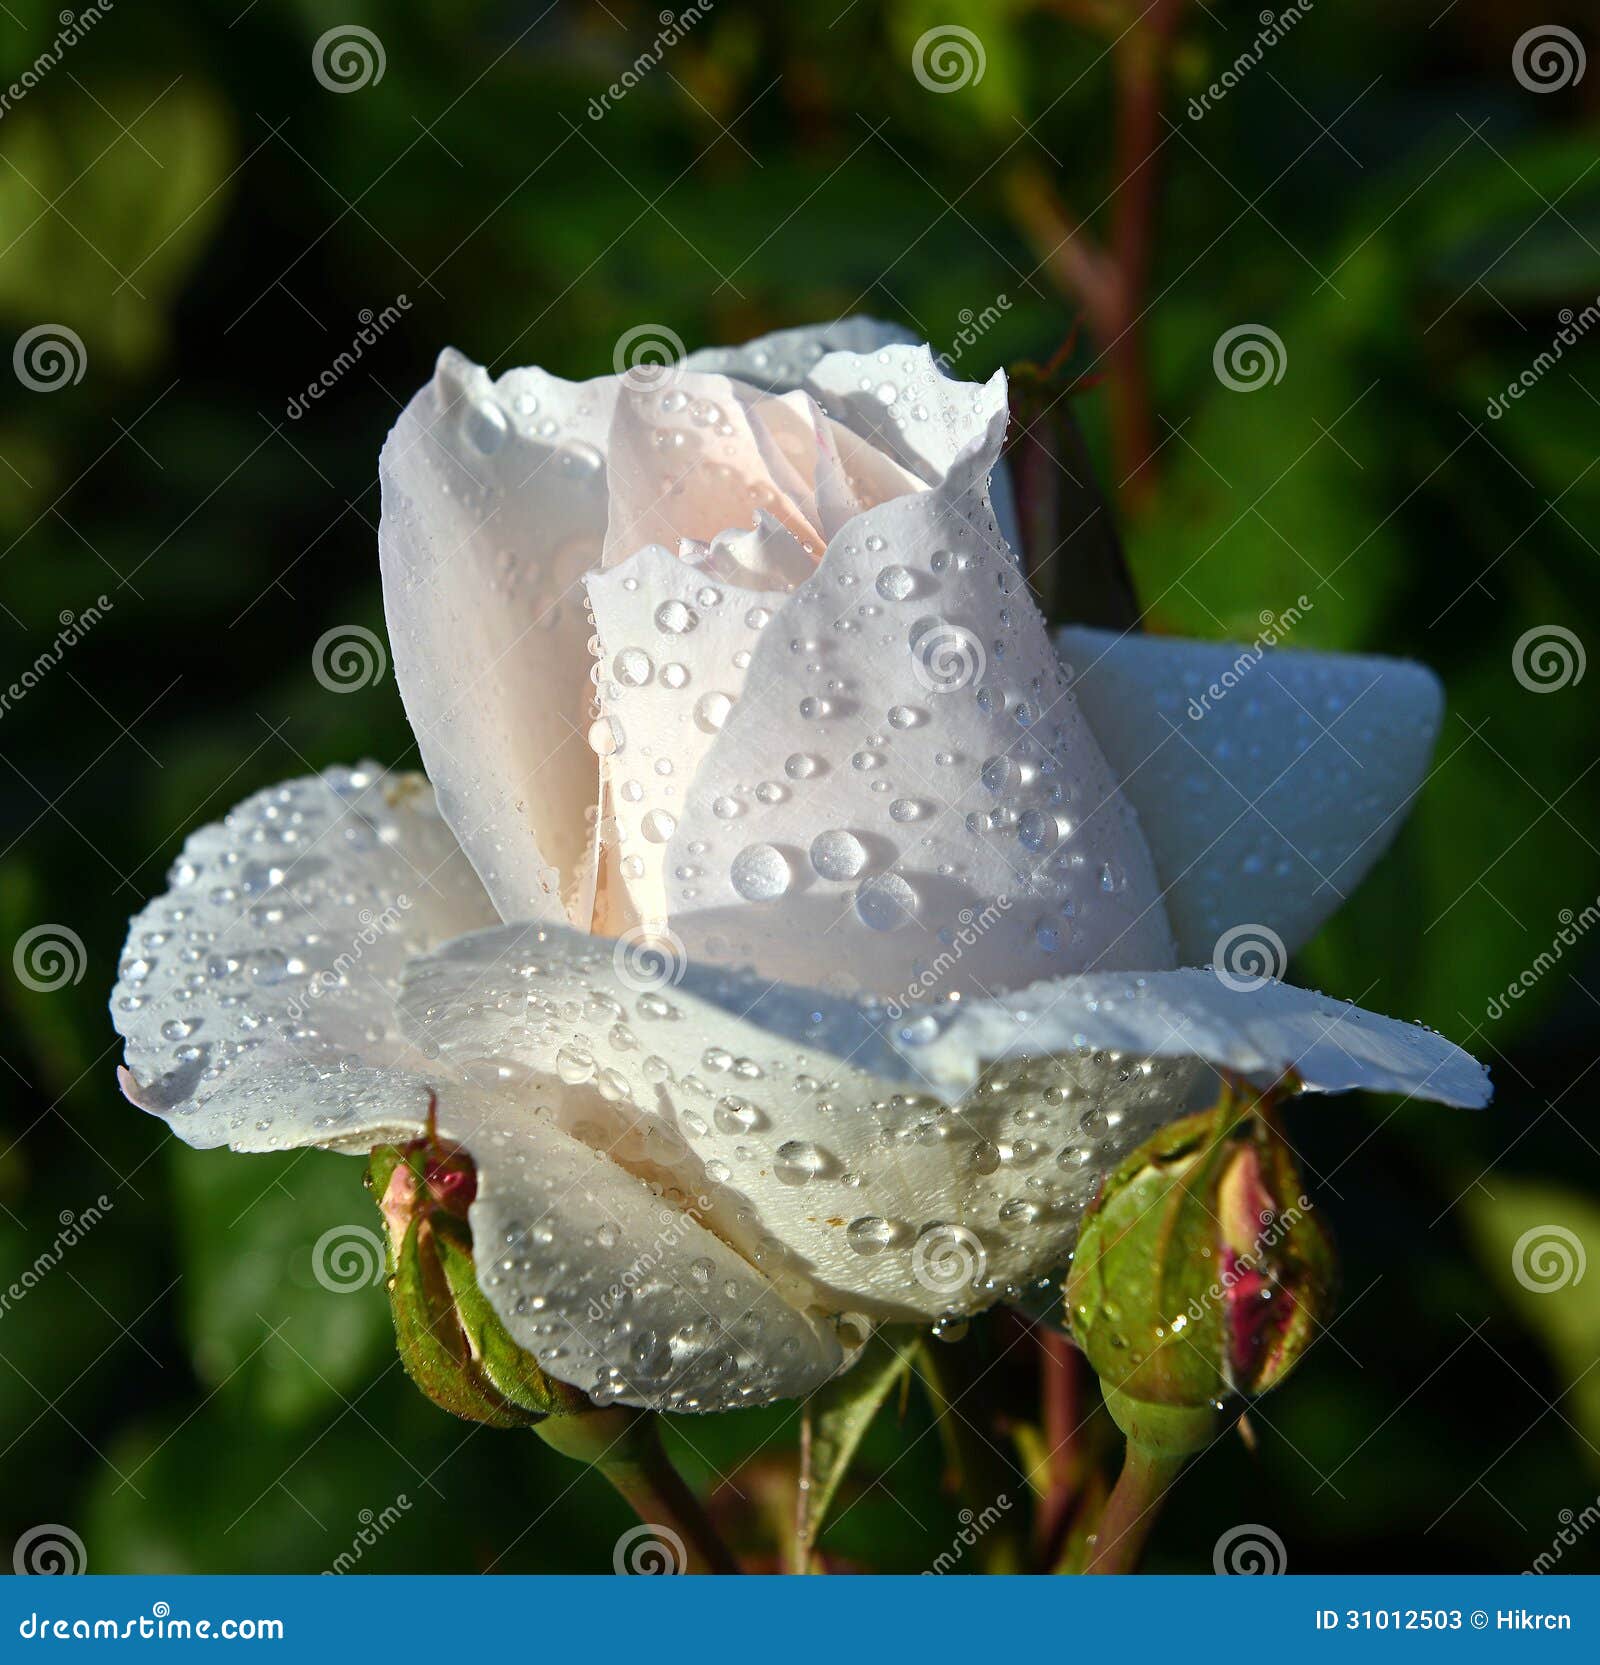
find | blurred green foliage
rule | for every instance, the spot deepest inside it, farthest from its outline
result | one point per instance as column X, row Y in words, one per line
column 181, row 191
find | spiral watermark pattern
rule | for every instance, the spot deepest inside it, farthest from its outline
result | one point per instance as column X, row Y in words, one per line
column 1547, row 58
column 1249, row 1551
column 1548, row 658
column 1547, row 1258
column 648, row 961
column 347, row 58
column 1249, row 956
column 49, row 1551
column 347, row 1258
column 947, row 58
column 349, row 657
column 49, row 957
column 650, row 1551
column 49, row 357
column 947, row 1259
column 648, row 357
column 1249, row 357
column 946, row 658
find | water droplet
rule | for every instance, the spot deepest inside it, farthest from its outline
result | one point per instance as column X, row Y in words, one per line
column 1038, row 831
column 760, row 872
column 837, row 854
column 869, row 1235
column 798, row 1161
column 658, row 826
column 711, row 712
column 632, row 667
column 674, row 617
column 886, row 902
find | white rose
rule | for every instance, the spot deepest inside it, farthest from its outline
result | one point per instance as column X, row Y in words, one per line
column 775, row 934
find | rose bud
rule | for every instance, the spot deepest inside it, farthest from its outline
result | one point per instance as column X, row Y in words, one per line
column 453, row 1346
column 1200, row 1273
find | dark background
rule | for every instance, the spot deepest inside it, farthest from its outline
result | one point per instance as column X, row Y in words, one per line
column 1380, row 190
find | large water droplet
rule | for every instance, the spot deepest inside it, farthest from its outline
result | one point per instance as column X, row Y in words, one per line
column 760, row 872
column 798, row 1161
column 869, row 1235
column 886, row 902
column 837, row 854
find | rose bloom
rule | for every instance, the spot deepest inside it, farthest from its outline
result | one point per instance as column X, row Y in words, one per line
column 790, row 931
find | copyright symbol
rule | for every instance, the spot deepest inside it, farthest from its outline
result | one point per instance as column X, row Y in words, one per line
column 1480, row 1620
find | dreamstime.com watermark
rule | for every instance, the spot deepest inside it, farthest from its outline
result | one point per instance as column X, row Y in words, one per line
column 1573, row 927
column 674, row 26
column 374, row 926
column 1274, row 627
column 74, row 26
column 74, row 627
column 972, row 925
column 973, row 1527
column 974, row 326
column 74, row 1228
column 372, row 1528
column 1573, row 1527
column 374, row 325
column 1274, row 27
column 1574, row 326
column 675, row 1225
column 1276, row 1224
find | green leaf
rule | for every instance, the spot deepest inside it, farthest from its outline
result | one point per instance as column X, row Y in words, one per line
column 258, row 1320
column 100, row 229
column 840, row 1416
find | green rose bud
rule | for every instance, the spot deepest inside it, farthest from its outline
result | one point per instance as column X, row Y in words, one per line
column 1200, row 1273
column 451, row 1341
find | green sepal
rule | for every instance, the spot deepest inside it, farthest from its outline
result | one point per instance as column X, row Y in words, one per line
column 512, row 1372
column 433, row 1345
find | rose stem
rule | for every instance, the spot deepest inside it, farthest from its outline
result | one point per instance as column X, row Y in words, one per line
column 1131, row 1510
column 625, row 1445
column 1140, row 61
column 1111, row 282
column 1062, row 1405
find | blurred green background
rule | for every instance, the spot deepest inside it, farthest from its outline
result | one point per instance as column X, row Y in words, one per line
column 1381, row 190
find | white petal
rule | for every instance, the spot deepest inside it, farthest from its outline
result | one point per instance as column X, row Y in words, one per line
column 899, row 398
column 781, row 361
column 904, row 753
column 494, row 506
column 610, row 1283
column 686, row 461
column 258, row 1001
column 675, row 647
column 257, row 997
column 1267, row 784
column 825, row 1135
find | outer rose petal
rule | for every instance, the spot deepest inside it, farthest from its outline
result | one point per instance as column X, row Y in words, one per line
column 258, row 1000
column 494, row 506
column 1272, row 804
column 900, row 399
column 826, row 1134
column 904, row 753
column 612, row 1282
